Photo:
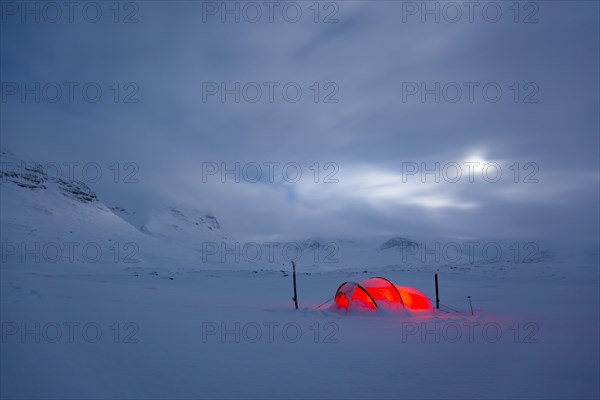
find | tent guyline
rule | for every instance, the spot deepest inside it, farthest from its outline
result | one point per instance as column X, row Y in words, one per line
column 375, row 292
column 444, row 309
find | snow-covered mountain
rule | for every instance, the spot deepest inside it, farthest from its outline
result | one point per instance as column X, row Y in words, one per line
column 49, row 211
column 45, row 211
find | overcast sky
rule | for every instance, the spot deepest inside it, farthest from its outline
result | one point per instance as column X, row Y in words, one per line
column 367, row 115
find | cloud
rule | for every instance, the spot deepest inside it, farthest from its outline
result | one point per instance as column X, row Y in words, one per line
column 364, row 62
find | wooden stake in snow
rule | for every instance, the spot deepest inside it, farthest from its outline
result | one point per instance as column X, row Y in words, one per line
column 437, row 293
column 295, row 298
column 471, row 304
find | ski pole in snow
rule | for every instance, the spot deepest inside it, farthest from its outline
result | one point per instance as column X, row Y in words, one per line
column 437, row 294
column 471, row 304
column 295, row 298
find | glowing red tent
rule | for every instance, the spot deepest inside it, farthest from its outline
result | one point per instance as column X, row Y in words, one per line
column 374, row 293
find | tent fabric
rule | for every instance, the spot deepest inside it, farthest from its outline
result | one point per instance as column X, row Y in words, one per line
column 374, row 293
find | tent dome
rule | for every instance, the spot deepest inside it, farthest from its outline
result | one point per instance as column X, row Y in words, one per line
column 374, row 293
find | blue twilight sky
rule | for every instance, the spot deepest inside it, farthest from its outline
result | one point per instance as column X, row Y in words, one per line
column 517, row 90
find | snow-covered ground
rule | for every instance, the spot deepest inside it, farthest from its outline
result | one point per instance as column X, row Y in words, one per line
column 104, row 301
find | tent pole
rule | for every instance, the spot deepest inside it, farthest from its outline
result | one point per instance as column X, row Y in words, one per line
column 471, row 304
column 294, row 278
column 437, row 295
